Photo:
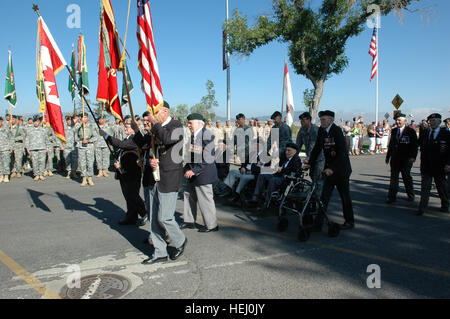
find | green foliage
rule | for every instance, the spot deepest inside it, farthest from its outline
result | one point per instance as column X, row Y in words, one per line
column 181, row 113
column 316, row 38
column 308, row 96
column 207, row 103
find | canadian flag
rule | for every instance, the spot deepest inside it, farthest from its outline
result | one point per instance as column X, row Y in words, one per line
column 289, row 96
column 52, row 62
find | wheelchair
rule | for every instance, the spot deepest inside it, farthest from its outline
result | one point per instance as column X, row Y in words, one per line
column 298, row 198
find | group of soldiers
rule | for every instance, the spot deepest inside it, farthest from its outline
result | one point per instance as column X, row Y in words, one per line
column 34, row 145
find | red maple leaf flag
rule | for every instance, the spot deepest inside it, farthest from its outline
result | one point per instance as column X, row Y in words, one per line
column 52, row 62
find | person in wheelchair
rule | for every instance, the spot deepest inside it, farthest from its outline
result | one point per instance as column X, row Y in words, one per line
column 290, row 163
column 248, row 172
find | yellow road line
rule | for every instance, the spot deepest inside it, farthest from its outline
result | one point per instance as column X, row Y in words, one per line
column 32, row 281
column 341, row 249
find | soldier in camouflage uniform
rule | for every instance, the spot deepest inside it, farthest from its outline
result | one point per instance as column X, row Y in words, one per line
column 69, row 149
column 86, row 136
column 51, row 142
column 36, row 142
column 102, row 153
column 18, row 138
column 5, row 152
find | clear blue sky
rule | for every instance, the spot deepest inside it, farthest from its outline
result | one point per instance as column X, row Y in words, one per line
column 413, row 58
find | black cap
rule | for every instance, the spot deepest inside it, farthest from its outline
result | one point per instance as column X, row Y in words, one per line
column 195, row 116
column 1, row 118
column 399, row 115
column 239, row 116
column 37, row 118
column 275, row 114
column 292, row 145
column 166, row 105
column 127, row 117
column 305, row 115
column 68, row 117
column 146, row 113
column 326, row 113
column 434, row 116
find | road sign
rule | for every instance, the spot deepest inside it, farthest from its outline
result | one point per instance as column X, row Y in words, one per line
column 386, row 116
column 397, row 112
column 397, row 101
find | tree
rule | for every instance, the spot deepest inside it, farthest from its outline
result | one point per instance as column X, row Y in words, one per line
column 308, row 96
column 316, row 37
column 207, row 103
column 181, row 113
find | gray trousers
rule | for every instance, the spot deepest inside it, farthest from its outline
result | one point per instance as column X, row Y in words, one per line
column 70, row 158
column 200, row 198
column 244, row 179
column 5, row 162
column 38, row 160
column 18, row 158
column 102, row 158
column 162, row 221
column 439, row 181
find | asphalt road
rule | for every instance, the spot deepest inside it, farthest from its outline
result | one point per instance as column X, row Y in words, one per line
column 53, row 232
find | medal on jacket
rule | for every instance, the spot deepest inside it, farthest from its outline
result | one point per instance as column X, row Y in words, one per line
column 443, row 146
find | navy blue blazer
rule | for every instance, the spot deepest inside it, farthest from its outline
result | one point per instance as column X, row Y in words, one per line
column 201, row 153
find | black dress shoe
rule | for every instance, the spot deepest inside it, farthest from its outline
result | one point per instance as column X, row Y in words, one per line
column 346, row 225
column 178, row 251
column 127, row 222
column 410, row 199
column 151, row 260
column 187, row 225
column 316, row 228
column 206, row 230
column 142, row 222
column 390, row 201
column 444, row 209
column 420, row 212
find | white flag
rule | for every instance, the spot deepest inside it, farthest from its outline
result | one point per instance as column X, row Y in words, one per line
column 289, row 97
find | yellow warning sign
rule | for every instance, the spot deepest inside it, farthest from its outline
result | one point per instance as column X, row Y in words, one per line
column 397, row 112
column 397, row 101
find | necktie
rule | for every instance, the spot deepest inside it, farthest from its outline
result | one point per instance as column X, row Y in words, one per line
column 432, row 135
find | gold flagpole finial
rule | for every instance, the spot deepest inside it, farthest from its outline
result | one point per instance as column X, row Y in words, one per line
column 36, row 9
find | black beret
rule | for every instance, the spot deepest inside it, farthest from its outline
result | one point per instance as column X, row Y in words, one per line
column 447, row 120
column 240, row 115
column 68, row 117
column 102, row 117
column 127, row 117
column 275, row 114
column 146, row 113
column 166, row 105
column 306, row 115
column 37, row 118
column 195, row 116
column 292, row 145
column 399, row 115
column 1, row 118
column 434, row 116
column 326, row 113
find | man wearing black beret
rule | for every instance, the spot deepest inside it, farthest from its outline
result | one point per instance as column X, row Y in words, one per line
column 284, row 134
column 337, row 170
column 434, row 162
column 169, row 135
column 402, row 153
column 201, row 173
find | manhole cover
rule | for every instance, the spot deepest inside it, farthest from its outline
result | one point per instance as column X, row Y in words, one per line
column 104, row 286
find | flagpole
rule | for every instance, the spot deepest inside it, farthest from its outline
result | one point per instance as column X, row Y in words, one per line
column 10, row 116
column 228, row 74
column 378, row 68
column 284, row 84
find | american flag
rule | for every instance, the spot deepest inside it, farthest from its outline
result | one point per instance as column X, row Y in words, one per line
column 148, row 64
column 374, row 53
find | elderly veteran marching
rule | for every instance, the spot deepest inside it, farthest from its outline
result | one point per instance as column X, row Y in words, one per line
column 201, row 173
column 434, row 162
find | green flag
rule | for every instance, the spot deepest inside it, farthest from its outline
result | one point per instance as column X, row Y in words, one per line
column 129, row 84
column 10, row 85
column 82, row 66
column 72, row 86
